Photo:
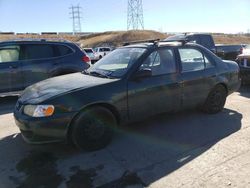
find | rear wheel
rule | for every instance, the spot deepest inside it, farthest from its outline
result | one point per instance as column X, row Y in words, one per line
column 216, row 100
column 93, row 128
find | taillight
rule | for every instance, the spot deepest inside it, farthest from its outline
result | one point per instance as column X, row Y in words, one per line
column 86, row 59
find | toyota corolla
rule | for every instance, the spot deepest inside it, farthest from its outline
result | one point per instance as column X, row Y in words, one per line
column 129, row 84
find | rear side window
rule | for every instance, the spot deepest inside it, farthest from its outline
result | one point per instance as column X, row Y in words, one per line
column 193, row 60
column 38, row 51
column 9, row 53
column 64, row 50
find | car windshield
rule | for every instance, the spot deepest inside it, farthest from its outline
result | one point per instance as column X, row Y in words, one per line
column 117, row 63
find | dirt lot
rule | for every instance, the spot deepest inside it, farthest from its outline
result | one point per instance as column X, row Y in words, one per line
column 188, row 149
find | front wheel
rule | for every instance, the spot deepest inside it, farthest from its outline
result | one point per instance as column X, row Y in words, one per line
column 216, row 100
column 93, row 128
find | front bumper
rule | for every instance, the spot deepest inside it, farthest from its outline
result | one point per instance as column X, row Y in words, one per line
column 43, row 130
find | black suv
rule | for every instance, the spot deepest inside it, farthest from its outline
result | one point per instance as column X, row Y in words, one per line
column 25, row 62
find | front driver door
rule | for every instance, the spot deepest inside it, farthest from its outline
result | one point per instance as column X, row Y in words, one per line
column 156, row 94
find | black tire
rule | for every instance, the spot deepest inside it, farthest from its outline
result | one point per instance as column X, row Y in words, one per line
column 216, row 100
column 100, row 57
column 93, row 128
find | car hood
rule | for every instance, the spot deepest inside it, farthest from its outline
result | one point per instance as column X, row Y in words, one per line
column 52, row 87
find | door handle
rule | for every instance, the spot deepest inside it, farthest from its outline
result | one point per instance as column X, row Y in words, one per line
column 13, row 66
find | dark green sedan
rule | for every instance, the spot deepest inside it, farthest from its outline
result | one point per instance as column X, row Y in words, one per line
column 129, row 84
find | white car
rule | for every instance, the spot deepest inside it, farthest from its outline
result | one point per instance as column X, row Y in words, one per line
column 92, row 54
column 102, row 51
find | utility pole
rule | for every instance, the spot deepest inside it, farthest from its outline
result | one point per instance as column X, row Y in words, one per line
column 135, row 15
column 75, row 12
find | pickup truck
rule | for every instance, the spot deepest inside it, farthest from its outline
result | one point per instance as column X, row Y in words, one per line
column 244, row 63
column 227, row 52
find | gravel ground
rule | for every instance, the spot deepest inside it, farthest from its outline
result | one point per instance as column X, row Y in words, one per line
column 187, row 149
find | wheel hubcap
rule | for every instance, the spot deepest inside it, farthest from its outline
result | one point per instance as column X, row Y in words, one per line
column 94, row 129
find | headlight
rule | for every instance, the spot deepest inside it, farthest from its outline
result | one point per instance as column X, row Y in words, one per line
column 39, row 110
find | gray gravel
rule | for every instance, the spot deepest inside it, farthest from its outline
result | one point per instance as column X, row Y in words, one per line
column 187, row 149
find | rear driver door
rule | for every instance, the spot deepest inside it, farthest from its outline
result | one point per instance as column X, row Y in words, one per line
column 198, row 76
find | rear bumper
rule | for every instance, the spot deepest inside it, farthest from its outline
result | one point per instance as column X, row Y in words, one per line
column 43, row 130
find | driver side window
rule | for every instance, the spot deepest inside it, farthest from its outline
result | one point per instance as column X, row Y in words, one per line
column 160, row 62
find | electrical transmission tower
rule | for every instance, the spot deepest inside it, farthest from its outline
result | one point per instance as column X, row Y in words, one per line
column 75, row 12
column 135, row 15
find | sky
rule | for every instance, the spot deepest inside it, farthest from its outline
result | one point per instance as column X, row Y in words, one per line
column 223, row 16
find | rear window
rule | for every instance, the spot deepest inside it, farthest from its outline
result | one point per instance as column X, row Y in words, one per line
column 38, row 51
column 64, row 50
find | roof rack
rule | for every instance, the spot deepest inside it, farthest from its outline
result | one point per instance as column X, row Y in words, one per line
column 154, row 41
column 157, row 42
column 183, row 41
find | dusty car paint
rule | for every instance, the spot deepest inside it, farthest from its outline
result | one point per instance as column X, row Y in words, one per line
column 129, row 99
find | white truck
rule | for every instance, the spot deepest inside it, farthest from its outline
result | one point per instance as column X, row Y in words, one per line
column 102, row 51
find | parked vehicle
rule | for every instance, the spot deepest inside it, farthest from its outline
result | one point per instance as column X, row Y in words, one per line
column 25, row 62
column 226, row 52
column 246, row 49
column 129, row 84
column 244, row 63
column 92, row 55
column 203, row 39
column 229, row 52
column 102, row 51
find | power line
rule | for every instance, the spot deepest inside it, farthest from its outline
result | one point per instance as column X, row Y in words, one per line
column 75, row 12
column 135, row 15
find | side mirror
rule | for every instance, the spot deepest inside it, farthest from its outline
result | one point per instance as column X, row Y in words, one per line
column 143, row 73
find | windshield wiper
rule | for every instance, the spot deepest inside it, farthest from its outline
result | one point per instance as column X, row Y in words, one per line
column 98, row 74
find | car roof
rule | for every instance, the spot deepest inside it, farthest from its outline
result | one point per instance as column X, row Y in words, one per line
column 32, row 40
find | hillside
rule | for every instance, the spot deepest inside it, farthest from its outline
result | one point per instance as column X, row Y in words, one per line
column 117, row 38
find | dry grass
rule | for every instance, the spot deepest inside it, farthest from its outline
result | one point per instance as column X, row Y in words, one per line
column 28, row 36
column 231, row 39
column 117, row 38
